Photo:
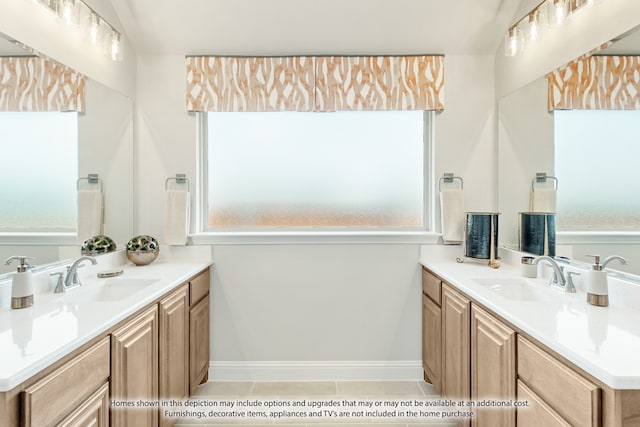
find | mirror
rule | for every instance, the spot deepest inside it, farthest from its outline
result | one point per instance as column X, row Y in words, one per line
column 104, row 147
column 526, row 147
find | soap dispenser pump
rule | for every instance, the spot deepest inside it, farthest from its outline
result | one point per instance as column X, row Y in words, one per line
column 596, row 284
column 21, row 284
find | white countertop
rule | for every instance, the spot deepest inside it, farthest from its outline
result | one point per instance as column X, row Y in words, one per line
column 33, row 338
column 603, row 341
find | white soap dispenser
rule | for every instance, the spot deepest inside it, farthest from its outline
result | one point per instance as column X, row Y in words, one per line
column 596, row 284
column 21, row 284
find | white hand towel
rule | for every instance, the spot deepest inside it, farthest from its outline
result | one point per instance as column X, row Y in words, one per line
column 543, row 200
column 452, row 215
column 90, row 214
column 176, row 217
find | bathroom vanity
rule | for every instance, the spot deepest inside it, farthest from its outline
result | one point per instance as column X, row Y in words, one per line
column 97, row 354
column 491, row 334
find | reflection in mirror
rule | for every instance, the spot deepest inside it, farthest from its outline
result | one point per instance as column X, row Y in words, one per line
column 103, row 145
column 532, row 140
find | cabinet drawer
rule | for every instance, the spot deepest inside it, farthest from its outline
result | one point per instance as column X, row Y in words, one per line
column 569, row 394
column 431, row 286
column 198, row 287
column 57, row 394
column 93, row 412
column 538, row 413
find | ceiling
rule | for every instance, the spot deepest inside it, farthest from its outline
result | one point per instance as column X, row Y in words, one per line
column 316, row 27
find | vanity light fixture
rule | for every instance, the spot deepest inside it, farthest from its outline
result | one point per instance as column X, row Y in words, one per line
column 98, row 32
column 547, row 14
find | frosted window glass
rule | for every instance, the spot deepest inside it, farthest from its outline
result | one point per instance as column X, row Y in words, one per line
column 342, row 169
column 596, row 164
column 39, row 171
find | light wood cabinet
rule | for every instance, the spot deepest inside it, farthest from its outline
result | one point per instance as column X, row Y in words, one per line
column 159, row 353
column 456, row 350
column 173, row 320
column 431, row 329
column 574, row 398
column 493, row 368
column 134, row 369
column 483, row 357
column 59, row 394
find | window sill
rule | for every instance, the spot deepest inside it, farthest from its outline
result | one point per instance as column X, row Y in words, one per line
column 316, row 237
column 38, row 238
column 599, row 237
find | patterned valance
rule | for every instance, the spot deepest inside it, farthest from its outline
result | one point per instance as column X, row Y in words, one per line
column 249, row 84
column 39, row 84
column 379, row 83
column 330, row 83
column 596, row 83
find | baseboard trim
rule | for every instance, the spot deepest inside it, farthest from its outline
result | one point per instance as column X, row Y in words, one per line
column 399, row 370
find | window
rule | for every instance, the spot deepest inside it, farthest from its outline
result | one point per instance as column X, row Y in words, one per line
column 39, row 171
column 597, row 152
column 320, row 171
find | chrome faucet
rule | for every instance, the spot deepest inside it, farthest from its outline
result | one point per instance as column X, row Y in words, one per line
column 558, row 278
column 618, row 258
column 72, row 280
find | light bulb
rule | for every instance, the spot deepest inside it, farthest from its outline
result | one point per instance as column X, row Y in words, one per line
column 116, row 49
column 94, row 28
column 67, row 11
column 558, row 11
column 513, row 41
column 534, row 25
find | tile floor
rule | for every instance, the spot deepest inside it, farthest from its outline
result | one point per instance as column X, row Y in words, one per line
column 321, row 390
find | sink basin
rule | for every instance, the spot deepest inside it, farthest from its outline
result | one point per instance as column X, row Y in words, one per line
column 516, row 289
column 108, row 290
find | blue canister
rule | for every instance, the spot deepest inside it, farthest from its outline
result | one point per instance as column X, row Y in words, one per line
column 537, row 233
column 481, row 235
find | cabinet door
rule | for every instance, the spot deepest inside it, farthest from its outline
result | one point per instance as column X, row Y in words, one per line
column 455, row 344
column 134, row 369
column 92, row 412
column 493, row 368
column 198, row 343
column 173, row 316
column 431, row 341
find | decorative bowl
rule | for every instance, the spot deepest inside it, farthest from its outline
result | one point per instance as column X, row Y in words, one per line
column 142, row 250
column 97, row 245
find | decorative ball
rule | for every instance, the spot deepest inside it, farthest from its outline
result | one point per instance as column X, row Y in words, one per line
column 142, row 250
column 97, row 245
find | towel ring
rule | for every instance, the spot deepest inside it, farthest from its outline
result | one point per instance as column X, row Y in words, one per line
column 92, row 178
column 448, row 178
column 180, row 178
column 543, row 177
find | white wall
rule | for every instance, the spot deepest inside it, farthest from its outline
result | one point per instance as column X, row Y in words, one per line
column 313, row 311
